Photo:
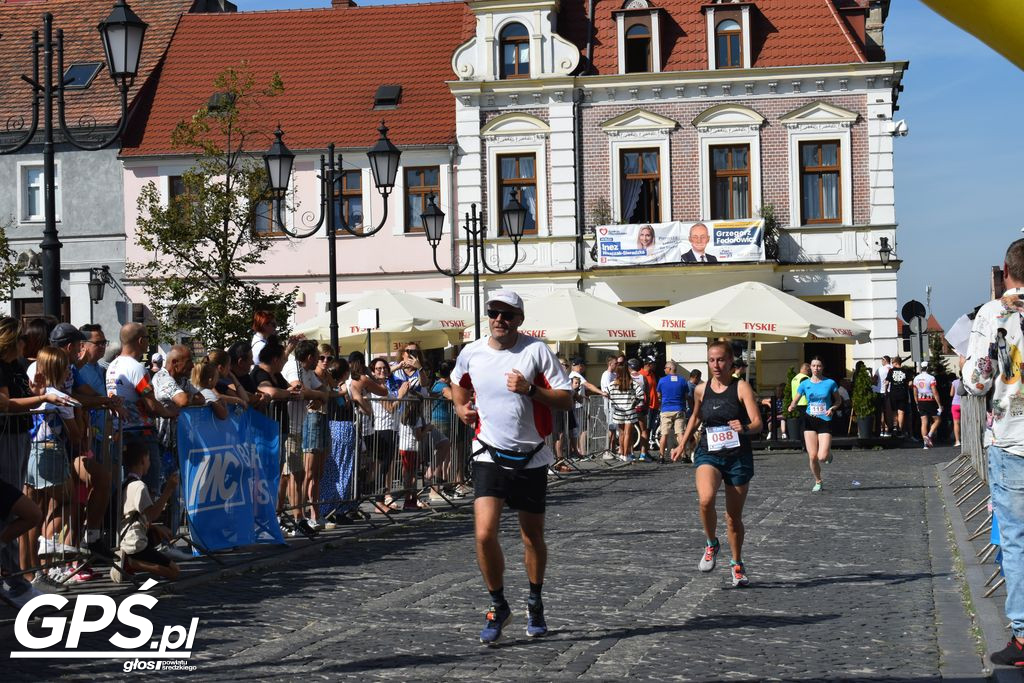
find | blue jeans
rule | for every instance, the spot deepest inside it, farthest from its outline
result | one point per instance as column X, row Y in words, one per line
column 1006, row 481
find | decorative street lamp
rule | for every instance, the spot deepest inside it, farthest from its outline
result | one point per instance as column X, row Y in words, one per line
column 384, row 158
column 122, row 33
column 513, row 219
column 884, row 251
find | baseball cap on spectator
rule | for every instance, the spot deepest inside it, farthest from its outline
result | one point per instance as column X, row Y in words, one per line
column 506, row 296
column 649, row 360
column 578, row 361
column 64, row 334
column 633, row 363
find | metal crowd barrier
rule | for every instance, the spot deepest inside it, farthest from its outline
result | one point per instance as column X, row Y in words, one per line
column 52, row 472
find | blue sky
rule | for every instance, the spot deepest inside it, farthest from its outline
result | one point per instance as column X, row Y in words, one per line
column 957, row 172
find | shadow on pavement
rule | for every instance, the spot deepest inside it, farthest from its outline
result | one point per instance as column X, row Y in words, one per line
column 874, row 577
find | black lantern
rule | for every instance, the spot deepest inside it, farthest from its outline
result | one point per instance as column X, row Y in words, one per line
column 513, row 217
column 384, row 158
column 97, row 283
column 433, row 221
column 122, row 34
column 278, row 160
column 884, row 251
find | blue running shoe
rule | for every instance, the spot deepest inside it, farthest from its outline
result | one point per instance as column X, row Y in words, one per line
column 535, row 624
column 496, row 620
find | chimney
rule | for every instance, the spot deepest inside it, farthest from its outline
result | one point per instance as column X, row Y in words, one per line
column 212, row 7
column 878, row 11
column 341, row 4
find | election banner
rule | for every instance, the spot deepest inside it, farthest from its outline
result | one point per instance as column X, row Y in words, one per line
column 676, row 242
column 229, row 475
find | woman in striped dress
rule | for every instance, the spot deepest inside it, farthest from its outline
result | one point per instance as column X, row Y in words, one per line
column 625, row 397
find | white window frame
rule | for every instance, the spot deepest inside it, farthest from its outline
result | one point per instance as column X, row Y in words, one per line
column 502, row 146
column 23, row 168
column 398, row 227
column 821, row 133
column 659, row 142
column 729, row 124
column 711, row 24
column 536, row 65
column 620, row 24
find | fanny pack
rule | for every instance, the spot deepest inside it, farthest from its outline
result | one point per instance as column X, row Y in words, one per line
column 513, row 460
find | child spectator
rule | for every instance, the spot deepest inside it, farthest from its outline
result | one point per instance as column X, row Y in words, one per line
column 204, row 378
column 18, row 515
column 411, row 428
column 138, row 533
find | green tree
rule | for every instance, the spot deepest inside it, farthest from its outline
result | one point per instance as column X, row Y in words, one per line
column 203, row 243
column 10, row 272
column 863, row 396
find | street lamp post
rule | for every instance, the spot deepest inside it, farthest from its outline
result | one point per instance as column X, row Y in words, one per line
column 122, row 33
column 384, row 158
column 513, row 218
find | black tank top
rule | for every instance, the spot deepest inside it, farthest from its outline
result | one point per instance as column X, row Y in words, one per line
column 717, row 410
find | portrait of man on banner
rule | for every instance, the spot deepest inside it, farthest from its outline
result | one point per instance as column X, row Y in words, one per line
column 642, row 244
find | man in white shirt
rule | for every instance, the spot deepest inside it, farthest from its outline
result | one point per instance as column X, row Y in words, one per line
column 993, row 364
column 880, row 388
column 507, row 385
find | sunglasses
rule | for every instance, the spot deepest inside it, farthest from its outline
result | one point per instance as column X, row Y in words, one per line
column 99, row 343
column 327, row 358
column 494, row 314
column 412, row 352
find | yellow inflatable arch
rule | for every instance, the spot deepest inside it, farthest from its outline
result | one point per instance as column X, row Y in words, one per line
column 999, row 23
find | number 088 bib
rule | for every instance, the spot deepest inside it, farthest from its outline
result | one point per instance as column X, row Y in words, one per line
column 721, row 438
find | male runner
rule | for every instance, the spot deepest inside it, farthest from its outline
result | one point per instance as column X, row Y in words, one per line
column 929, row 407
column 507, row 385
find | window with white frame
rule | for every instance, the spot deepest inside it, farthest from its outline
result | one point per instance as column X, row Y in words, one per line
column 517, row 177
column 350, row 209
column 728, row 35
column 516, row 145
column 729, row 136
column 32, row 192
column 730, row 182
column 820, row 167
column 640, row 185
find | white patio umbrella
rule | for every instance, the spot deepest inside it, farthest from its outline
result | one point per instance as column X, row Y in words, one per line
column 404, row 318
column 569, row 315
column 755, row 311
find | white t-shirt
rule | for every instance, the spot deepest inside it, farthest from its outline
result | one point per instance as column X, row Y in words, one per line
column 924, row 383
column 258, row 342
column 407, row 440
column 507, row 419
column 127, row 379
column 881, row 377
column 49, row 425
column 136, row 500
column 607, row 377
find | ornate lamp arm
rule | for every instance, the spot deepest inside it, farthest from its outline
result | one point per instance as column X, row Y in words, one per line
column 37, row 94
column 451, row 272
column 279, row 222
column 499, row 271
column 366, row 233
column 86, row 121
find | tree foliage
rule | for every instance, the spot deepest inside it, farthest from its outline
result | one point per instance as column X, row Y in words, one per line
column 863, row 395
column 204, row 242
column 10, row 272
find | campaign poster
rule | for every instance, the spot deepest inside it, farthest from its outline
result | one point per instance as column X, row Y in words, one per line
column 680, row 243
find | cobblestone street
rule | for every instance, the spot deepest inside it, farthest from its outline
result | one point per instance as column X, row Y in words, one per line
column 841, row 588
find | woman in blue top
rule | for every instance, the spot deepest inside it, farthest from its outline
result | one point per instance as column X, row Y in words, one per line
column 822, row 403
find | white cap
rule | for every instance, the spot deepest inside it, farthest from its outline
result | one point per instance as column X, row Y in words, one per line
column 506, row 296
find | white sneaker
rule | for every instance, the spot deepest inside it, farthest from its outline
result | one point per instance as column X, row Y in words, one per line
column 174, row 553
column 44, row 584
column 51, row 546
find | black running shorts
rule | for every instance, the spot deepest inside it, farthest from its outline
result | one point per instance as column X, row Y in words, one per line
column 816, row 424
column 928, row 408
column 524, row 490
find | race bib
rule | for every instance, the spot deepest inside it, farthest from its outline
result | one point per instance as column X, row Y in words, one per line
column 720, row 438
column 816, row 409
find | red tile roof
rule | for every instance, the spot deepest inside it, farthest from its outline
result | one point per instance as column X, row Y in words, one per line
column 331, row 62
column 933, row 326
column 786, row 33
column 82, row 43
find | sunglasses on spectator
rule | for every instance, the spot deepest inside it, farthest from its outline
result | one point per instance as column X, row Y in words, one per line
column 327, row 358
column 412, row 352
column 494, row 314
column 95, row 343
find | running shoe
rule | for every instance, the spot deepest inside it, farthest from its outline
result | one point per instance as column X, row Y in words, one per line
column 708, row 559
column 1011, row 655
column 44, row 584
column 535, row 624
column 739, row 575
column 175, row 553
column 816, row 488
column 18, row 591
column 828, row 460
column 85, row 574
column 928, row 441
column 496, row 620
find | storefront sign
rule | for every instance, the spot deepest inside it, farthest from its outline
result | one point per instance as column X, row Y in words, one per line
column 676, row 242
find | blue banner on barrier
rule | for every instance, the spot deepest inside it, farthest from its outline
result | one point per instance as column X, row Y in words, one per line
column 229, row 475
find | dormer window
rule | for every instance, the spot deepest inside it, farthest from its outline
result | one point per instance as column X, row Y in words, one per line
column 639, row 25
column 515, row 51
column 728, row 44
column 638, row 48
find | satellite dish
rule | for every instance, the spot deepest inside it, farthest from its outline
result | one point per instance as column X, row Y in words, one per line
column 28, row 260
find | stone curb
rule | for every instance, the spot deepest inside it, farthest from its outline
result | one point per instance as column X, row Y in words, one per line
column 988, row 612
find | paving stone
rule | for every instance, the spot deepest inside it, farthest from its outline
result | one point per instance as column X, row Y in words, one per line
column 841, row 587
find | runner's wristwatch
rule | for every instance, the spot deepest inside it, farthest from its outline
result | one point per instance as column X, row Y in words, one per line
column 532, row 390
